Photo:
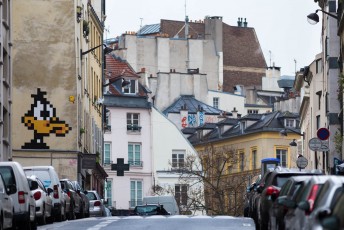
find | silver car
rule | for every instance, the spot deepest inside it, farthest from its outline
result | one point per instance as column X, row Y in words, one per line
column 97, row 207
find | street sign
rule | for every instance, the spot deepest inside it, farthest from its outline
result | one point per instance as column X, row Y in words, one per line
column 301, row 162
column 314, row 144
column 323, row 134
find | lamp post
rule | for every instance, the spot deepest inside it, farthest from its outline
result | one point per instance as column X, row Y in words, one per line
column 313, row 18
column 107, row 50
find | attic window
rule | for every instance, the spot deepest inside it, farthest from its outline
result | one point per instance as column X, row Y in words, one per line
column 290, row 123
column 131, row 88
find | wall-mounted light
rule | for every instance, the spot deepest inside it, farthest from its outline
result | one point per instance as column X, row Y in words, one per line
column 313, row 18
column 293, row 143
column 107, row 50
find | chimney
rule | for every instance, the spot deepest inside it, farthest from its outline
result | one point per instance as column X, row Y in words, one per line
column 234, row 113
column 245, row 23
column 186, row 26
column 239, row 22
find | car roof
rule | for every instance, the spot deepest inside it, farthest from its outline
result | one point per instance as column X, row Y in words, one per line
column 279, row 169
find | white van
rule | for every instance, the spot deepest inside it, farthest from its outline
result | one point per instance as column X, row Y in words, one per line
column 50, row 179
column 169, row 203
column 23, row 201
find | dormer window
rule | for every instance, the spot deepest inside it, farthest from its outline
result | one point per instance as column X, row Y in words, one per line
column 131, row 88
column 290, row 123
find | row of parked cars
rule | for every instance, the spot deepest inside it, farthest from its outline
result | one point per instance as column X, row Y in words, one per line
column 293, row 199
column 35, row 195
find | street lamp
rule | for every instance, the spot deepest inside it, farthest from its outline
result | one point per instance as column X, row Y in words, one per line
column 107, row 50
column 284, row 132
column 313, row 18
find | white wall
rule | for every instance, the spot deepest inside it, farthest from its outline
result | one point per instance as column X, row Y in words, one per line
column 119, row 139
column 227, row 101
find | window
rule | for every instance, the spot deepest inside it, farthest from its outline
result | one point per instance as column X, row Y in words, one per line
column 135, row 193
column 107, row 153
column 178, row 158
column 318, row 66
column 242, row 161
column 108, row 193
column 216, row 102
column 131, row 88
column 133, row 122
column 134, row 154
column 319, row 93
column 254, row 159
column 281, row 154
column 318, row 122
column 252, row 111
column 290, row 123
column 181, row 194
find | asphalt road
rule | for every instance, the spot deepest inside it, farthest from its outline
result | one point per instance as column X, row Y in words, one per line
column 155, row 223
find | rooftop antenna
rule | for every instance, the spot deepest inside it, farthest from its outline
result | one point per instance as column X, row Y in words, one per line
column 295, row 64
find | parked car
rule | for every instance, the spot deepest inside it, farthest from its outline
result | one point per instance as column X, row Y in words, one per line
column 300, row 208
column 23, row 201
column 50, row 179
column 85, row 199
column 333, row 218
column 169, row 203
column 287, row 192
column 326, row 198
column 149, row 210
column 97, row 207
column 44, row 201
column 69, row 208
column 6, row 204
column 76, row 200
column 270, row 187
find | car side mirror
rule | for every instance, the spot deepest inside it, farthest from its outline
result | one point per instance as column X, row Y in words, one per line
column 49, row 190
column 78, row 191
column 324, row 213
column 33, row 185
column 85, row 192
column 304, row 205
column 260, row 189
column 274, row 196
column 11, row 189
column 330, row 222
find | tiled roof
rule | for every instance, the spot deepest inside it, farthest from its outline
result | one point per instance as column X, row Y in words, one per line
column 264, row 122
column 177, row 29
column 192, row 106
column 116, row 67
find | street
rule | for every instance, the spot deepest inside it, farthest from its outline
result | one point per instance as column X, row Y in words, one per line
column 154, row 223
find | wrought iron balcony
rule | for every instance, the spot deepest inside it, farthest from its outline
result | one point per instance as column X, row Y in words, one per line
column 136, row 163
column 134, row 128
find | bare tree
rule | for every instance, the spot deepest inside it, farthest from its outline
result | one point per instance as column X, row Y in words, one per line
column 217, row 180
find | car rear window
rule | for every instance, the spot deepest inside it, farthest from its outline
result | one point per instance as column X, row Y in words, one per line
column 41, row 174
column 91, row 196
column 8, row 175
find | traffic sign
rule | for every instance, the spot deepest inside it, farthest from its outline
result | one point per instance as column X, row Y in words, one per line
column 314, row 144
column 323, row 133
column 301, row 162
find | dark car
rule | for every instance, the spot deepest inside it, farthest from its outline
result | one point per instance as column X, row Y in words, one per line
column 334, row 218
column 83, row 194
column 269, row 189
column 287, row 192
column 76, row 201
column 149, row 210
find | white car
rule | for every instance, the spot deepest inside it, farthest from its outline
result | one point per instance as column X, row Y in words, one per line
column 6, row 205
column 24, row 203
column 44, row 201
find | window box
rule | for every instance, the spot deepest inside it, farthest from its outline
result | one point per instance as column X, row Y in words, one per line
column 135, row 128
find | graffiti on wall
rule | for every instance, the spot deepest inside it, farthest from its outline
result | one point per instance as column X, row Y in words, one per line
column 42, row 119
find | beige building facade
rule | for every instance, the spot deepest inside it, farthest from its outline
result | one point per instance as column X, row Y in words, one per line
column 55, row 83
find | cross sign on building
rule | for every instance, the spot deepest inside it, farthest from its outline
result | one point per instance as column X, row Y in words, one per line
column 120, row 167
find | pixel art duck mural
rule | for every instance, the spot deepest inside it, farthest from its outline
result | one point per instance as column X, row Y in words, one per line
column 41, row 118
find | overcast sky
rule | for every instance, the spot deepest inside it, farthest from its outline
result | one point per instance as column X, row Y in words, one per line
column 281, row 25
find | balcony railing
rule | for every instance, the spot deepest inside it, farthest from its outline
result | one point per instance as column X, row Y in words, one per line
column 133, row 203
column 136, row 163
column 134, row 128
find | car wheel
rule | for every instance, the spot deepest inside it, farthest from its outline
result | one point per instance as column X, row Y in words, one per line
column 1, row 222
column 42, row 220
column 71, row 215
